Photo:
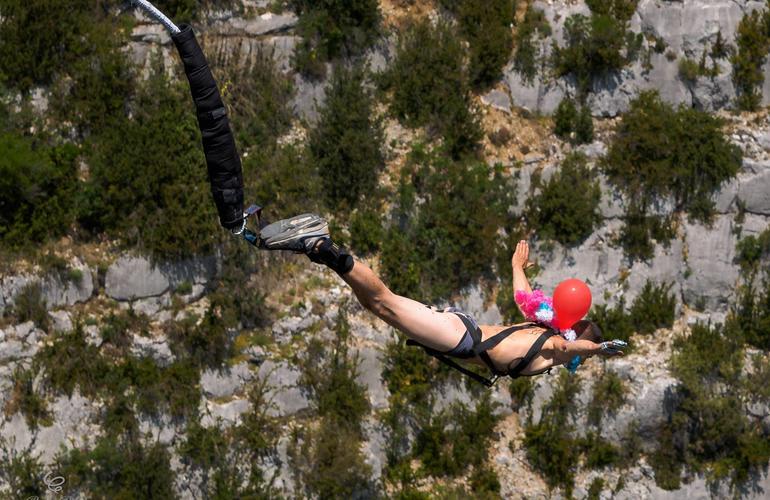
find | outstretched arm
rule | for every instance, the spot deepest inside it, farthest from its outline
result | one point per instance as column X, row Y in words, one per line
column 518, row 262
column 586, row 348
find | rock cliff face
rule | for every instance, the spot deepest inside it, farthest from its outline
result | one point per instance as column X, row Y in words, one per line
column 686, row 28
column 700, row 262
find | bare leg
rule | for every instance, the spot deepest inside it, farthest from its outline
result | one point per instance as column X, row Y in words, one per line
column 438, row 330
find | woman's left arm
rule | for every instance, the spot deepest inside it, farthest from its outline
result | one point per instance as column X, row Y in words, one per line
column 587, row 348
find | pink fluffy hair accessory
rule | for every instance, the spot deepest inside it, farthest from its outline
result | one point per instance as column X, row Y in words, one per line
column 530, row 303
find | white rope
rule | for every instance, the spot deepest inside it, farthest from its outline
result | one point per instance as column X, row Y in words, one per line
column 159, row 16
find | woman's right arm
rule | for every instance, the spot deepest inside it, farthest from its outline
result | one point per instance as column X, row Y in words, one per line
column 518, row 262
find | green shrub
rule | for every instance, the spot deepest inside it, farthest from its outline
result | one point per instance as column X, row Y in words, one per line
column 333, row 28
column 584, row 126
column 70, row 363
column 258, row 95
column 21, row 472
column 29, row 305
column 37, row 185
column 366, row 231
column 609, row 394
column 708, row 429
column 750, row 315
column 147, row 172
column 100, row 85
column 118, row 468
column 207, row 344
column 24, row 398
column 654, row 308
column 551, row 449
column 117, row 328
column 345, row 146
column 282, row 180
column 329, row 461
column 486, row 25
column 564, row 119
column 595, row 489
column 332, row 463
column 445, row 243
column 598, row 452
column 43, row 38
column 690, row 70
column 660, row 153
column 614, row 322
column 596, row 45
column 753, row 42
column 521, row 392
column 333, row 383
column 430, row 86
column 453, row 440
column 533, row 27
column 752, row 249
column 567, row 207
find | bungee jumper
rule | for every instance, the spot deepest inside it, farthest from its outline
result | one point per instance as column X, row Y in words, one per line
column 553, row 335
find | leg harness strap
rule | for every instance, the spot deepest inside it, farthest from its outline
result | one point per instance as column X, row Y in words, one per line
column 480, row 348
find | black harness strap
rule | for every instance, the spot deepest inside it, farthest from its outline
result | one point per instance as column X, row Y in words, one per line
column 480, row 349
column 448, row 361
column 533, row 351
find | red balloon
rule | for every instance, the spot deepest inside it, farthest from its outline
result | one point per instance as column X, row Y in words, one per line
column 571, row 301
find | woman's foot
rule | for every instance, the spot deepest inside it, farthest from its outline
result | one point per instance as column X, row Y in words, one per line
column 301, row 233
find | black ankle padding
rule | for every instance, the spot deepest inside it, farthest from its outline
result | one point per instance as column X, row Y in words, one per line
column 332, row 255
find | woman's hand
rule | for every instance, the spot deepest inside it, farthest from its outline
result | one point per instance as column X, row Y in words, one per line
column 612, row 348
column 520, row 259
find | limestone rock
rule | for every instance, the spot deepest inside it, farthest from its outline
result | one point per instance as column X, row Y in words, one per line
column 15, row 432
column 132, row 278
column 284, row 394
column 754, row 188
column 61, row 291
column 309, row 95
column 61, row 320
column 155, row 348
column 151, row 305
column 228, row 413
column 267, row 23
column 498, row 100
column 369, row 375
column 284, row 328
column 14, row 349
column 225, row 383
column 712, row 270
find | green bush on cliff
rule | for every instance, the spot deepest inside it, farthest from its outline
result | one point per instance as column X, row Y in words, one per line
column 332, row 28
column 430, row 86
column 664, row 154
column 148, row 182
column 444, row 243
column 526, row 57
column 551, row 449
column 567, row 207
column 753, row 42
column 486, row 25
column 709, row 429
column 327, row 458
column 598, row 44
column 37, row 186
column 346, row 145
column 118, row 467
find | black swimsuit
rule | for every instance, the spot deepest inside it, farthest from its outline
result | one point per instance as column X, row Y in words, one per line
column 471, row 345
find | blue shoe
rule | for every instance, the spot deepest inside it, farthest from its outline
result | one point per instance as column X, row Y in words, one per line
column 298, row 234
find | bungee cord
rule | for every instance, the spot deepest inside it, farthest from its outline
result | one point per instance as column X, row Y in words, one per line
column 159, row 16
